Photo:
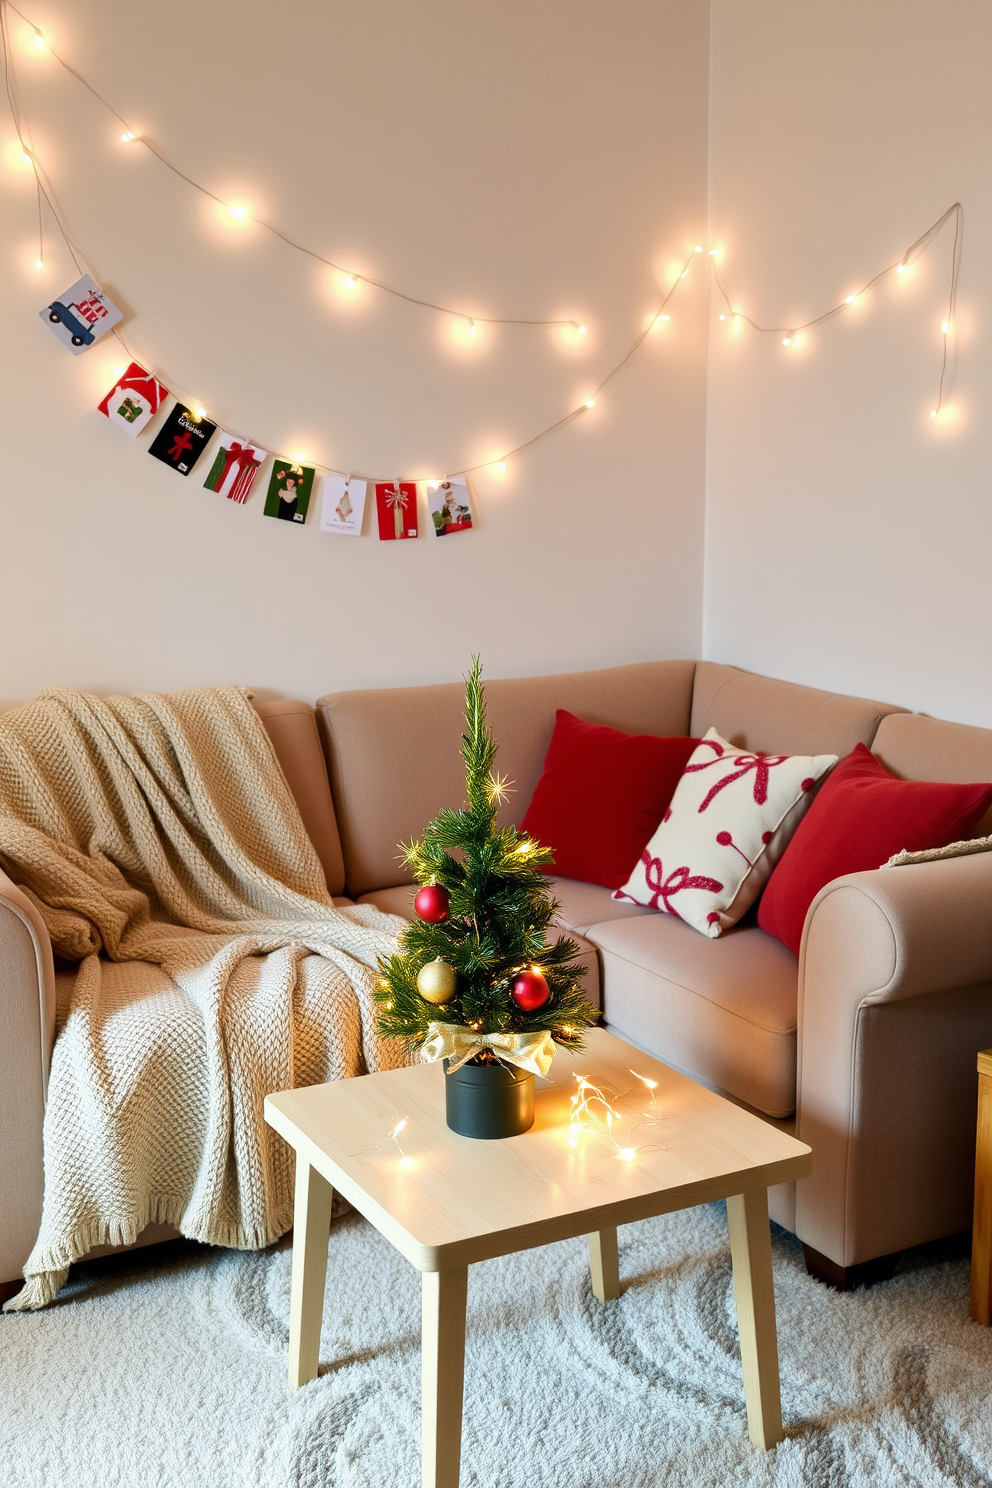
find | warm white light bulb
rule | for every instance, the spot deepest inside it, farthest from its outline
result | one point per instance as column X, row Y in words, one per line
column 850, row 299
column 698, row 248
column 714, row 253
column 26, row 157
column 590, row 402
column 627, row 1154
column 902, row 269
column 239, row 213
column 39, row 263
column 786, row 340
column 348, row 281
column 582, row 330
column 127, row 137
column 472, row 328
column 118, row 371
column 39, row 41
column 684, row 274
column 200, row 415
column 933, row 413
column 664, row 317
column 945, row 327
column 723, row 317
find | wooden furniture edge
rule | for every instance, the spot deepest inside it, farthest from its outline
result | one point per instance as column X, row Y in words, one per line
column 981, row 1233
column 535, row 1233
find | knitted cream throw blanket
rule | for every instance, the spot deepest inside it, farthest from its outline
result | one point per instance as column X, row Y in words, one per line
column 161, row 830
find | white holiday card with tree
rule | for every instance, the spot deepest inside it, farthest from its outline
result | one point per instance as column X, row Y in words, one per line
column 343, row 506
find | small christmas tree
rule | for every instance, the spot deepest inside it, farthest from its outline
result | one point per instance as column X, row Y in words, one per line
column 478, row 944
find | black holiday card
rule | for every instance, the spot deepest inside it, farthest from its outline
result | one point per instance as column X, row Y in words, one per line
column 182, row 439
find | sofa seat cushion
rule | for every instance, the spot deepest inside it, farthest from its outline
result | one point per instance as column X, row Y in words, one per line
column 584, row 904
column 399, row 901
column 722, row 1010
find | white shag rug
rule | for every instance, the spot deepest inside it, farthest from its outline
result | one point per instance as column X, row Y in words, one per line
column 169, row 1372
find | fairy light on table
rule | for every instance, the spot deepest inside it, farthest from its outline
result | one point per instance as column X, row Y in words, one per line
column 392, row 1138
column 585, row 1120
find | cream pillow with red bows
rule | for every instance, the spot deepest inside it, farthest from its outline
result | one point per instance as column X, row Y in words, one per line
column 729, row 822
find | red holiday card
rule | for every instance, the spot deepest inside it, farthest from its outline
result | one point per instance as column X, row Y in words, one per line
column 396, row 506
column 133, row 399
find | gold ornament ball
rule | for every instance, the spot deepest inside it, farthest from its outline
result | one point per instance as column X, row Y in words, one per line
column 436, row 982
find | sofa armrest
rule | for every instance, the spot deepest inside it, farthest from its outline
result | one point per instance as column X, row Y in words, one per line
column 895, row 999
column 27, row 1032
column 907, row 931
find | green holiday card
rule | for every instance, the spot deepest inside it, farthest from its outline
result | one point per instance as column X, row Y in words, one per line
column 289, row 491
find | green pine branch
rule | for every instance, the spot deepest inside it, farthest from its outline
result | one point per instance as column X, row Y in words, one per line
column 501, row 909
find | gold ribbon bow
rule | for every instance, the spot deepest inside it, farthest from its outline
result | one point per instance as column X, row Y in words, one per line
column 529, row 1051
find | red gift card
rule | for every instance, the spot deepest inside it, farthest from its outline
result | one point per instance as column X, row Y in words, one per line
column 396, row 506
column 133, row 399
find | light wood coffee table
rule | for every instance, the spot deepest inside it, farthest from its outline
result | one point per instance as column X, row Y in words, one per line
column 454, row 1201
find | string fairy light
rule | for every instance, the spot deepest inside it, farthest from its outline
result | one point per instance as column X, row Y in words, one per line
column 594, row 1110
column 904, row 265
column 391, row 1140
column 351, row 279
column 241, row 213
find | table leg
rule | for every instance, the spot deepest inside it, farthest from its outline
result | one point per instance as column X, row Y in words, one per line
column 981, row 1239
column 443, row 1374
column 604, row 1264
column 311, row 1229
column 754, row 1293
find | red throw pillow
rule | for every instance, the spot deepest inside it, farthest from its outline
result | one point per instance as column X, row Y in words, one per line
column 862, row 815
column 601, row 797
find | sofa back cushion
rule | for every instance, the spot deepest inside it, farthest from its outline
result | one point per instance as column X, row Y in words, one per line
column 393, row 752
column 921, row 748
column 771, row 717
column 293, row 730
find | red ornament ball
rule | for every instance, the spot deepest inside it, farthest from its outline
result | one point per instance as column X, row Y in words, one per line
column 432, row 903
column 530, row 991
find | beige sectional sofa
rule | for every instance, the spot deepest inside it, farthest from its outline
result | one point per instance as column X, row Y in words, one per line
column 865, row 1046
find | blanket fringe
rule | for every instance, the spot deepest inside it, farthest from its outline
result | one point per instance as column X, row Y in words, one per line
column 43, row 1285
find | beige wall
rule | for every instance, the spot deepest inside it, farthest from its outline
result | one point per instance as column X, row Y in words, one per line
column 848, row 539
column 524, row 159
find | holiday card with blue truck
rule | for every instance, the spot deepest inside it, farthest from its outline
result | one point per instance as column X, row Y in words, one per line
column 81, row 315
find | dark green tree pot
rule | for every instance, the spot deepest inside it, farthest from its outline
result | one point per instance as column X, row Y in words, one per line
column 489, row 1100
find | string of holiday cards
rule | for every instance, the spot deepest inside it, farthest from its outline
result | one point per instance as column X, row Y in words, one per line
column 85, row 312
